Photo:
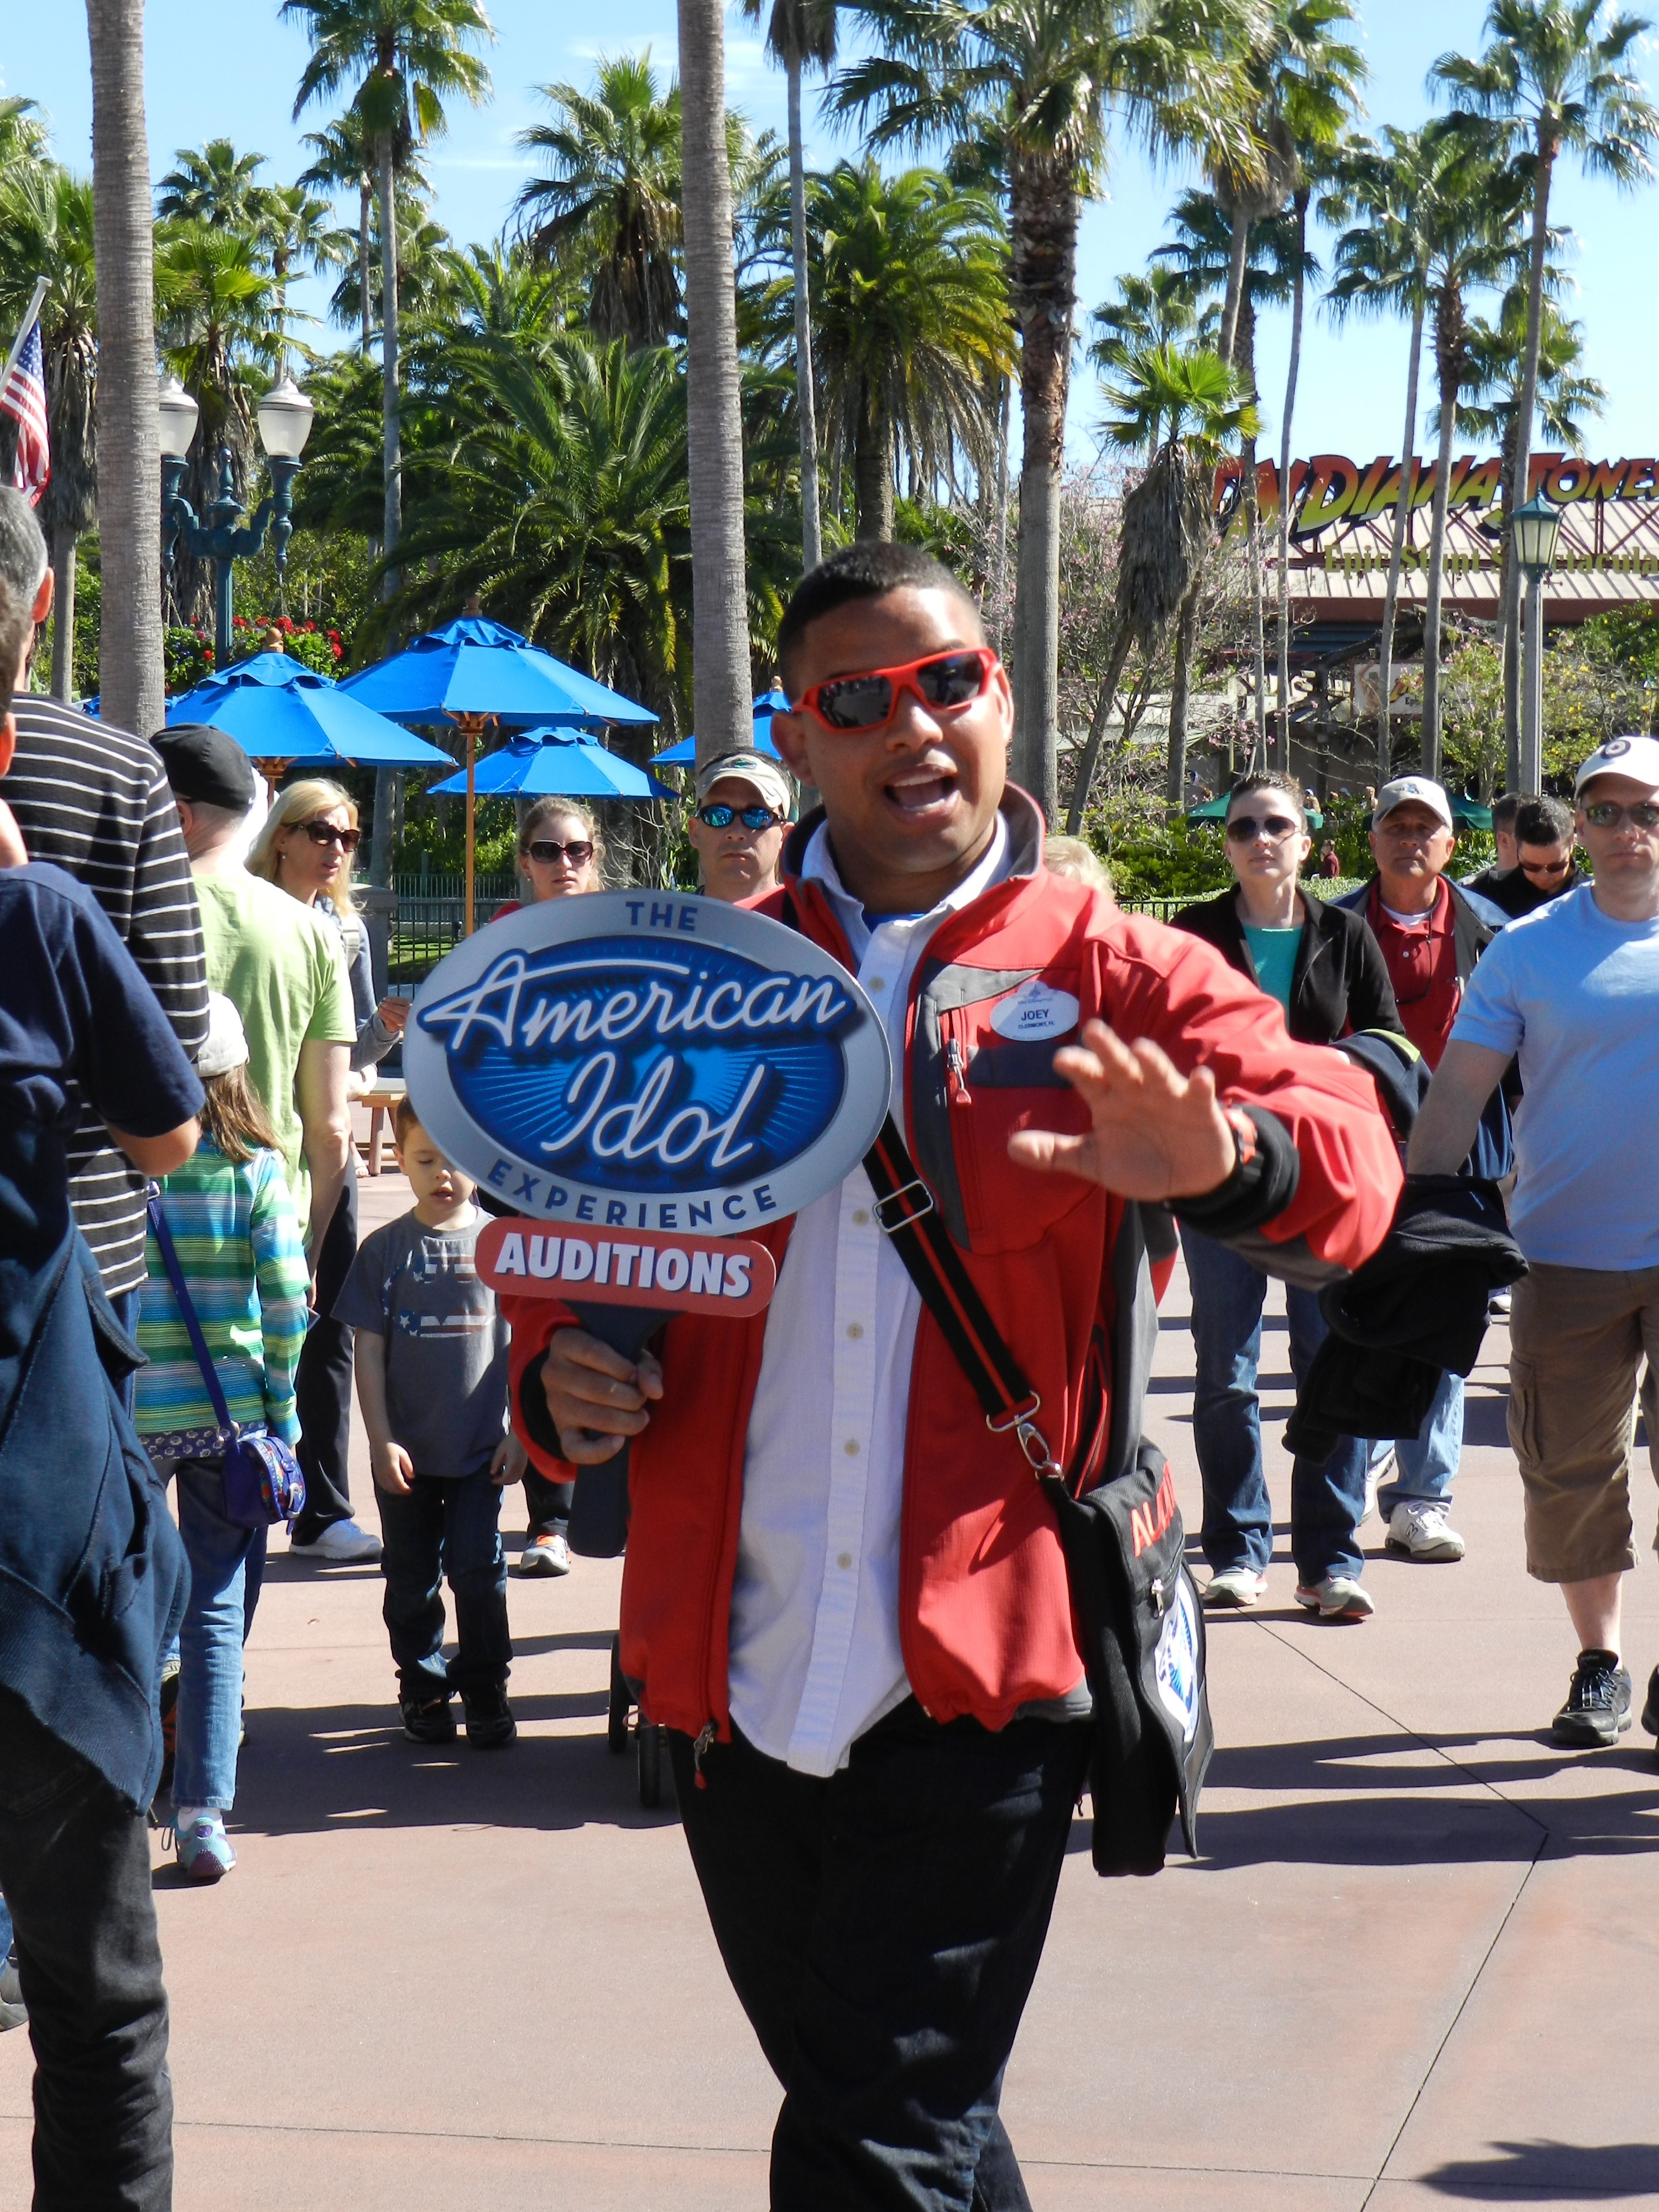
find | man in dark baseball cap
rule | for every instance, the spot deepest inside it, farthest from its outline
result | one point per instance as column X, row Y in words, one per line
column 205, row 768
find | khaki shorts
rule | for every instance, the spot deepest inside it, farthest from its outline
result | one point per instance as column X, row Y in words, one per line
column 1577, row 1340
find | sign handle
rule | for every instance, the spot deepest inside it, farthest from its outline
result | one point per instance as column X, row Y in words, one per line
column 598, row 1512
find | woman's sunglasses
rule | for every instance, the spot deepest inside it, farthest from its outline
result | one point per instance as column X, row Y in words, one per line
column 1245, row 829
column 943, row 682
column 329, row 833
column 578, row 854
column 719, row 816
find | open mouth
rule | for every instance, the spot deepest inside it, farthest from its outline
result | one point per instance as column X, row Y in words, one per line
column 924, row 793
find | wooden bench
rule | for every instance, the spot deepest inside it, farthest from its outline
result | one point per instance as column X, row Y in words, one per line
column 381, row 1100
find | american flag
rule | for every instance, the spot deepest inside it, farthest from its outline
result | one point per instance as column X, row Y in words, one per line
column 24, row 399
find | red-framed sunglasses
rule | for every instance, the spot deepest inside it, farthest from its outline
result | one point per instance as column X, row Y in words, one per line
column 943, row 682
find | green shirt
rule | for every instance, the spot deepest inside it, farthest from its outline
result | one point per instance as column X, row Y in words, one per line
column 1273, row 952
column 281, row 968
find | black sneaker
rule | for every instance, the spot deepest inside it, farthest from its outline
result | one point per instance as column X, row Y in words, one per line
column 1597, row 1711
column 428, row 1720
column 490, row 1721
column 1650, row 1710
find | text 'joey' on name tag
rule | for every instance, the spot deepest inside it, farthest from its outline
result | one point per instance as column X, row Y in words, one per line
column 727, row 1275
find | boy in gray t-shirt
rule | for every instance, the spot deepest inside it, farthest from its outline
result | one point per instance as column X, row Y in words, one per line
column 431, row 1366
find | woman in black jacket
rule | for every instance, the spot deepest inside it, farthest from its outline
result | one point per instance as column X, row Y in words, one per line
column 1325, row 969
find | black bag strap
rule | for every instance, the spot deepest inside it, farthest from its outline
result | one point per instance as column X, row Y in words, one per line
column 163, row 1237
column 906, row 1210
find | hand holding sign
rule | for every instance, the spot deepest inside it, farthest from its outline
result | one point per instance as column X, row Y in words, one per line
column 1157, row 1134
column 597, row 1397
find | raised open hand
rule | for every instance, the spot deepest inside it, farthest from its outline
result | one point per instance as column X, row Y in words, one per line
column 1157, row 1134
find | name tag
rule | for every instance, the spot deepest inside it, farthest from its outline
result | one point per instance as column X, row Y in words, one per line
column 1036, row 1010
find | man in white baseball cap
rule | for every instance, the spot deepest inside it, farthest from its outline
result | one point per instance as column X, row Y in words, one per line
column 1574, row 990
column 737, row 825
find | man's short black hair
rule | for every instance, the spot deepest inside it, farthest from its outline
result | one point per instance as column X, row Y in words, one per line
column 1504, row 810
column 1544, row 821
column 867, row 570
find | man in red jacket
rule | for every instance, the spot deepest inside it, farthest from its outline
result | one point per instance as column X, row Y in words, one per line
column 844, row 1595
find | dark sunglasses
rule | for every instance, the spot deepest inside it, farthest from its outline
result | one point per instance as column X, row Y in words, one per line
column 1607, row 813
column 324, row 833
column 719, row 816
column 578, row 854
column 1245, row 829
column 944, row 681
column 1545, row 867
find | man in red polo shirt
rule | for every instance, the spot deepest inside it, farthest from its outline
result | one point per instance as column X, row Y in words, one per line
column 1432, row 931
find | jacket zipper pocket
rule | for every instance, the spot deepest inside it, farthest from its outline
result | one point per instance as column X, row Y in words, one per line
column 964, row 1137
column 956, row 1075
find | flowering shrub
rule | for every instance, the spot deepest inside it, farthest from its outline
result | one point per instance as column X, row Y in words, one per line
column 187, row 657
column 317, row 649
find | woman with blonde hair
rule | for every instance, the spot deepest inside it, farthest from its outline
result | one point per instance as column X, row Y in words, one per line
column 306, row 848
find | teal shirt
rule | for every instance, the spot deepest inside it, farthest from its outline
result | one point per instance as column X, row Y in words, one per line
column 1273, row 952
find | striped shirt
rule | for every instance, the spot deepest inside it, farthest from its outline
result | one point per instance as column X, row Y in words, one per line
column 95, row 803
column 233, row 1229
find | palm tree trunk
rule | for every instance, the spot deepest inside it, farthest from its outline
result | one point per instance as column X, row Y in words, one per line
column 1244, row 348
column 1236, row 258
column 62, row 614
column 392, row 525
column 1396, row 549
column 872, row 470
column 1174, row 789
column 1545, row 162
column 1447, row 338
column 1283, row 750
column 130, row 661
column 1002, row 511
column 723, row 695
column 1043, row 210
column 1102, row 715
column 812, row 541
column 365, row 201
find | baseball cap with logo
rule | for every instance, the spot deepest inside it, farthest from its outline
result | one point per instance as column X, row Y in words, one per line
column 1423, row 788
column 763, row 776
column 1635, row 757
column 226, row 1044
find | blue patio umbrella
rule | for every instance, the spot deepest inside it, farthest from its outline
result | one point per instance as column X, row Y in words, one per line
column 775, row 701
column 278, row 710
column 476, row 667
column 537, row 761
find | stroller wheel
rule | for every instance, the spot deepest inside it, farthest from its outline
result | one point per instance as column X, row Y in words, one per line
column 616, row 1719
column 649, row 1739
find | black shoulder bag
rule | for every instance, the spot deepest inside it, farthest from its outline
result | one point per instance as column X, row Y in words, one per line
column 1143, row 1628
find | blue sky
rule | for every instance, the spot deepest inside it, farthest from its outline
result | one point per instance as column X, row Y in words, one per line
column 239, row 79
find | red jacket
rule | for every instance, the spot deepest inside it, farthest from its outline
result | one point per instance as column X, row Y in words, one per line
column 986, row 1620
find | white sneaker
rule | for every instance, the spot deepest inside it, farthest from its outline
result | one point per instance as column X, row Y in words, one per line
column 1421, row 1530
column 1338, row 1597
column 1234, row 1586
column 545, row 1555
column 343, row 1541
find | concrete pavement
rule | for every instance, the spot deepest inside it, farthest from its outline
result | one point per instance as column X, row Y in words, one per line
column 1417, row 1963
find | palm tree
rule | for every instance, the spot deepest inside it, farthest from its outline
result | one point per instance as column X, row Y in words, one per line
column 46, row 229
column 800, row 32
column 1199, row 402
column 129, row 668
column 405, row 56
column 424, row 269
column 1555, row 79
column 1029, row 80
column 1495, row 372
column 1382, row 267
column 611, row 202
column 345, row 161
column 910, row 275
column 217, row 184
column 714, row 426
column 1154, row 310
column 293, row 226
column 24, row 137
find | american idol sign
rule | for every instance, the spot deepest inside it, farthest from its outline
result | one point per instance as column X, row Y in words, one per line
column 648, row 1061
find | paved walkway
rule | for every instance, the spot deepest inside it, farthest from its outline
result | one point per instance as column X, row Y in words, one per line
column 1419, row 1961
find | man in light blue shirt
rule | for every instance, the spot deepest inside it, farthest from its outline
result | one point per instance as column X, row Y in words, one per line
column 1573, row 990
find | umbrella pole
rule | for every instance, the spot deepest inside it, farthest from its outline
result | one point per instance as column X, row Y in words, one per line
column 472, row 727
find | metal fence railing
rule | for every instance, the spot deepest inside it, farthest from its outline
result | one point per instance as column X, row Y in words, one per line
column 430, row 919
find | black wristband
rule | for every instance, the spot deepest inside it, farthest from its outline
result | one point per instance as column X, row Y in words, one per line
column 1261, row 1185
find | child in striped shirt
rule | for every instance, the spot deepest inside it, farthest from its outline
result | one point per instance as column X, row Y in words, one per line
column 233, row 1225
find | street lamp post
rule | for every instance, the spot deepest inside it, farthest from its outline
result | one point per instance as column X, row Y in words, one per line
column 284, row 422
column 1534, row 532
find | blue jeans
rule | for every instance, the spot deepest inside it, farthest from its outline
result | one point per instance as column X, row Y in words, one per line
column 1427, row 1463
column 882, row 1928
column 210, row 1640
column 438, row 1530
column 1327, row 1499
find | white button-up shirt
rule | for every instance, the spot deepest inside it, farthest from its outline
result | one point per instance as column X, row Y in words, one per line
column 815, row 1656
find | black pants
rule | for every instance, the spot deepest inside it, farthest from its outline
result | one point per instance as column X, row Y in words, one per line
column 438, row 1530
column 74, row 1867
column 882, row 1929
column 547, row 1505
column 322, row 1381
